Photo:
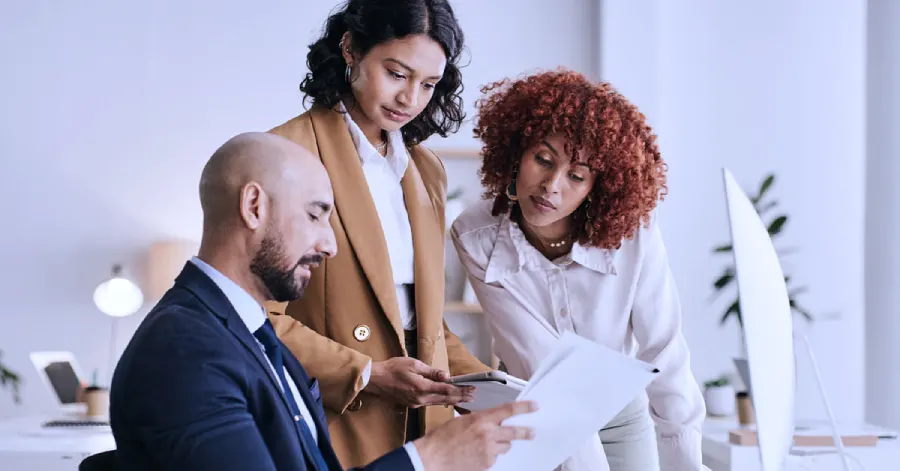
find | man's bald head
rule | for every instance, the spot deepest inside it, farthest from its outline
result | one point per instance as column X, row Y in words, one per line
column 271, row 161
column 266, row 203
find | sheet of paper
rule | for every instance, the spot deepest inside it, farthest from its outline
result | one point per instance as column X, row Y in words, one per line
column 579, row 388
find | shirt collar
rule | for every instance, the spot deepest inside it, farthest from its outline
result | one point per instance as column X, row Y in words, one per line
column 253, row 315
column 397, row 157
column 512, row 252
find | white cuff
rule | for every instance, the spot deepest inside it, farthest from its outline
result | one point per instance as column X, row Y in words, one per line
column 366, row 373
column 414, row 456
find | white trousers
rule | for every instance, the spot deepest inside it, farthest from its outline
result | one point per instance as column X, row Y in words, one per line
column 627, row 443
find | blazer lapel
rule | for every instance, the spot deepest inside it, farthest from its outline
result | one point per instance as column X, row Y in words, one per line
column 206, row 290
column 356, row 208
column 428, row 259
column 301, row 379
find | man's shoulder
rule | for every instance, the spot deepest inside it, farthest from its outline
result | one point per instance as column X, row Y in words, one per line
column 179, row 321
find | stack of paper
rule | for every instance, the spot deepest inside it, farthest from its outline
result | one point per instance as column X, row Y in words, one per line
column 579, row 388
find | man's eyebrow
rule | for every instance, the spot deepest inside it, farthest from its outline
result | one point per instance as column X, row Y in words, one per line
column 322, row 206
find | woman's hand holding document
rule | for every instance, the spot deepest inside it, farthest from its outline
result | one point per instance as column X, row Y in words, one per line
column 580, row 386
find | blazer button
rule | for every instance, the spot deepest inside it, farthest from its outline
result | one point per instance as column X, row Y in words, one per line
column 355, row 405
column 362, row 332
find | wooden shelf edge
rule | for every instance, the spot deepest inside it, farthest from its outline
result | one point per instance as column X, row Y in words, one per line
column 461, row 307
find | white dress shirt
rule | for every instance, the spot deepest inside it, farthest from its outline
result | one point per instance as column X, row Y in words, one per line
column 625, row 299
column 254, row 316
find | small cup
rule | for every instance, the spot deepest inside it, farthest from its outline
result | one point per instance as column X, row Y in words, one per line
column 746, row 415
column 97, row 400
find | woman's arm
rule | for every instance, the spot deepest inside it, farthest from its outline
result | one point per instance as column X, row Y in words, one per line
column 676, row 403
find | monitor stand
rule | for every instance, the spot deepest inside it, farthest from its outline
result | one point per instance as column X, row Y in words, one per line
column 834, row 430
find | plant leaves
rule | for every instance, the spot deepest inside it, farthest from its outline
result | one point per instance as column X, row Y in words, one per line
column 766, row 207
column 724, row 280
column 776, row 225
column 734, row 309
column 723, row 249
column 799, row 310
column 764, row 187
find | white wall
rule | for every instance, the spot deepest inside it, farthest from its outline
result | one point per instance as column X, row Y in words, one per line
column 883, row 215
column 106, row 103
column 758, row 87
column 111, row 109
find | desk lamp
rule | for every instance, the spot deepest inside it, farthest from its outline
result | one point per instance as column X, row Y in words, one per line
column 117, row 297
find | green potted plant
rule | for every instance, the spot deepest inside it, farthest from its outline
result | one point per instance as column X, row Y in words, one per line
column 9, row 379
column 775, row 226
column 719, row 396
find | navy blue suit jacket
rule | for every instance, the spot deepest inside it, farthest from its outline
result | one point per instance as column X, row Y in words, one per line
column 193, row 391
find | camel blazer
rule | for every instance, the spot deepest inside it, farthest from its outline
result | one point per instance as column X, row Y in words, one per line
column 349, row 313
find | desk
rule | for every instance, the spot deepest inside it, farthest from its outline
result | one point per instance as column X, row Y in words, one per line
column 720, row 455
column 26, row 446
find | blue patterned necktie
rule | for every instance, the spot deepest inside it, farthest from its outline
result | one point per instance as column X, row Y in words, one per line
column 266, row 336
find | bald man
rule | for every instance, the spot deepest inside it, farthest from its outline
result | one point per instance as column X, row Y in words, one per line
column 205, row 384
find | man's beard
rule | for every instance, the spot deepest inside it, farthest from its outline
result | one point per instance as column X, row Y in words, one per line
column 281, row 283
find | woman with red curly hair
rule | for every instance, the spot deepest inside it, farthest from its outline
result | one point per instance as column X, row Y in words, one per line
column 569, row 240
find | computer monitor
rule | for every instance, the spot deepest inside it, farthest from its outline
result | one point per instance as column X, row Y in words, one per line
column 60, row 374
column 767, row 327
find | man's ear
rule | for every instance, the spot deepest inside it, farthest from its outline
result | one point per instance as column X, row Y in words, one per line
column 254, row 205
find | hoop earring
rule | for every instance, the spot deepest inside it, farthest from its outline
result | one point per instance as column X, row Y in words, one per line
column 511, row 189
column 347, row 73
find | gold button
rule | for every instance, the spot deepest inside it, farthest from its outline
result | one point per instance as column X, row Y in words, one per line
column 362, row 332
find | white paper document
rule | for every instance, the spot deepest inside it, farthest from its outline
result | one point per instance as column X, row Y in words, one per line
column 579, row 388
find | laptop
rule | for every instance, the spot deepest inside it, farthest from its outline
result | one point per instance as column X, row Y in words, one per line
column 60, row 374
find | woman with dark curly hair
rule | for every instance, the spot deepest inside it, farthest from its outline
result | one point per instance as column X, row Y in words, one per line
column 569, row 240
column 382, row 78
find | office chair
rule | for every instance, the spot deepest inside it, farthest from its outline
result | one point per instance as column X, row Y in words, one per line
column 105, row 461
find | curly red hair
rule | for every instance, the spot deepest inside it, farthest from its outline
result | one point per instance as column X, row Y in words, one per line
column 597, row 122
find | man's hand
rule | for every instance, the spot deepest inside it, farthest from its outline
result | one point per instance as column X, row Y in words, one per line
column 411, row 383
column 472, row 442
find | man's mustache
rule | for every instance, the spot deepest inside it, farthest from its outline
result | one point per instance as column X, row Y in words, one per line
column 310, row 260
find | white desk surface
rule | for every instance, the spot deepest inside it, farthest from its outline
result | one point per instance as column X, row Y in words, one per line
column 26, row 445
column 720, row 455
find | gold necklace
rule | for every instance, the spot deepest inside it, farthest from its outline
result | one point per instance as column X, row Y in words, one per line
column 559, row 244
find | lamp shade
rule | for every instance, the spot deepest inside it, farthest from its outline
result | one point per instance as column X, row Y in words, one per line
column 118, row 296
column 165, row 261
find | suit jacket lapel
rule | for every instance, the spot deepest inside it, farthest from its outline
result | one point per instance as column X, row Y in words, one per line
column 302, row 380
column 356, row 208
column 206, row 290
column 428, row 258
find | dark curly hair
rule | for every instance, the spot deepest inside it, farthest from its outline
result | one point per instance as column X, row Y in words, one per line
column 372, row 22
column 597, row 122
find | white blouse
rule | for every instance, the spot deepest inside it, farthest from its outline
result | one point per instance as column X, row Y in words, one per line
column 625, row 299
